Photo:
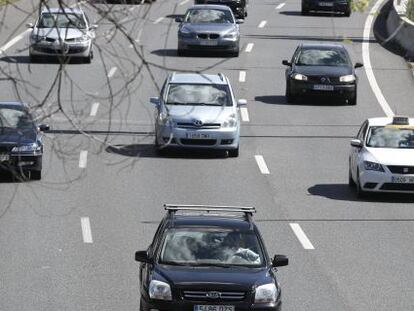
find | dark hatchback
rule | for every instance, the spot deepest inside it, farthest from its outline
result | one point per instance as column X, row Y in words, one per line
column 321, row 69
column 343, row 6
column 21, row 146
column 208, row 258
column 239, row 7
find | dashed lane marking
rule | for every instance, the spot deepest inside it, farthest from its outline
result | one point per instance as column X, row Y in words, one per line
column 94, row 109
column 242, row 76
column 112, row 72
column 83, row 158
column 244, row 114
column 262, row 24
column 86, row 230
column 158, row 20
column 303, row 239
column 280, row 6
column 262, row 165
column 249, row 47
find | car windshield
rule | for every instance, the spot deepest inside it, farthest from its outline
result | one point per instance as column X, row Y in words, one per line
column 215, row 247
column 61, row 20
column 198, row 94
column 15, row 119
column 322, row 57
column 391, row 137
column 209, row 16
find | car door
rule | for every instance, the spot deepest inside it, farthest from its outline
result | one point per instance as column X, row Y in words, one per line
column 355, row 151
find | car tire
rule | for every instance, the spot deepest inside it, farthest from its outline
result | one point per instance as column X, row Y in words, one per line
column 348, row 11
column 305, row 10
column 360, row 193
column 235, row 54
column 351, row 182
column 36, row 175
column 233, row 153
column 290, row 99
column 181, row 52
column 353, row 101
column 34, row 58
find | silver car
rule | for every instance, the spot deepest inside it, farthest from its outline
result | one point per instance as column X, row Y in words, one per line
column 209, row 28
column 197, row 111
column 62, row 32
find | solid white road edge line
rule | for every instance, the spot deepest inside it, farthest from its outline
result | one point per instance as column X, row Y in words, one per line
column 280, row 6
column 112, row 72
column 262, row 24
column 303, row 239
column 94, row 109
column 86, row 230
column 159, row 19
column 262, row 165
column 83, row 158
column 249, row 47
column 244, row 114
column 242, row 76
column 367, row 61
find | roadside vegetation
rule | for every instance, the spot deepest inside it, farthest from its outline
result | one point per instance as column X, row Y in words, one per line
column 410, row 10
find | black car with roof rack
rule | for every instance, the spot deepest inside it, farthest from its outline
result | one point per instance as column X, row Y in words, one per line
column 208, row 258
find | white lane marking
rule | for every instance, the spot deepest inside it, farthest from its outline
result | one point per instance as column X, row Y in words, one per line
column 158, row 20
column 112, row 72
column 94, row 109
column 244, row 114
column 131, row 9
column 249, row 47
column 242, row 76
column 138, row 38
column 13, row 41
column 280, row 6
column 303, row 239
column 86, row 230
column 367, row 61
column 83, row 158
column 183, row 2
column 262, row 165
column 262, row 24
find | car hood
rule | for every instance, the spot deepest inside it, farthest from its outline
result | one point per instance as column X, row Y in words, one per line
column 330, row 71
column 63, row 33
column 209, row 27
column 17, row 137
column 206, row 114
column 390, row 156
column 214, row 278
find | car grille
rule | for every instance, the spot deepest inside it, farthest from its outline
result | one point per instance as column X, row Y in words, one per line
column 318, row 79
column 193, row 126
column 72, row 50
column 397, row 169
column 208, row 36
column 222, row 295
column 397, row 187
column 199, row 142
column 50, row 39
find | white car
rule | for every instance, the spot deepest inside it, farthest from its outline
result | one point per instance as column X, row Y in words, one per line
column 62, row 32
column 382, row 156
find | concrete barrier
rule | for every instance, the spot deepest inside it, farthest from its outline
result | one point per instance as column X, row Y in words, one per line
column 401, row 30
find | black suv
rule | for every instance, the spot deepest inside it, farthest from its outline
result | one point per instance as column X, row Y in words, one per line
column 239, row 7
column 208, row 258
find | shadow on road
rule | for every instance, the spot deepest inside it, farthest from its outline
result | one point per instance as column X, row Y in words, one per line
column 24, row 59
column 304, row 101
column 311, row 38
column 173, row 53
column 319, row 13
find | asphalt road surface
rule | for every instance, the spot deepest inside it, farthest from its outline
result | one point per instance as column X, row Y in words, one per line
column 67, row 242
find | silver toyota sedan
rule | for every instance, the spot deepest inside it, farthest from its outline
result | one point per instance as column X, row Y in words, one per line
column 197, row 111
column 62, row 32
column 209, row 28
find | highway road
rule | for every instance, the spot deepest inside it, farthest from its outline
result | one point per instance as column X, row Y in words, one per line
column 67, row 242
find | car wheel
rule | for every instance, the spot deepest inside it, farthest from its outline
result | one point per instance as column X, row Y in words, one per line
column 348, row 11
column 305, row 10
column 353, row 101
column 360, row 193
column 181, row 52
column 234, row 153
column 235, row 54
column 34, row 58
column 36, row 175
column 351, row 182
column 289, row 97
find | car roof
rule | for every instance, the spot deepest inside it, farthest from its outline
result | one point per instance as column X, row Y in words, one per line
column 60, row 10
column 322, row 46
column 218, row 221
column 196, row 78
column 210, row 6
column 385, row 121
column 13, row 105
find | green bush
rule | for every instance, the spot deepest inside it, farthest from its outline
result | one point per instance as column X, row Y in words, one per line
column 410, row 10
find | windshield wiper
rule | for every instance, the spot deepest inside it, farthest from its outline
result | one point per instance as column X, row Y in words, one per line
column 210, row 264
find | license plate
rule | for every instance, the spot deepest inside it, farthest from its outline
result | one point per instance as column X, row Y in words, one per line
column 325, row 3
column 4, row 157
column 323, row 87
column 403, row 179
column 209, row 42
column 213, row 308
column 198, row 136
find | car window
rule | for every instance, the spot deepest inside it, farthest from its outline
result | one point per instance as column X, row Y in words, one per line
column 322, row 57
column 15, row 119
column 362, row 131
column 61, row 20
column 209, row 16
column 198, row 94
column 391, row 137
column 211, row 247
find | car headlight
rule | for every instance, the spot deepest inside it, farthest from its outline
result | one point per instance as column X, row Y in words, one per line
column 300, row 77
column 373, row 166
column 164, row 119
column 27, row 148
column 185, row 32
column 231, row 121
column 159, row 290
column 266, row 293
column 84, row 38
column 36, row 38
column 347, row 78
column 230, row 35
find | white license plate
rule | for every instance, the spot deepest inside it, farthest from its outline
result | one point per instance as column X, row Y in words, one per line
column 4, row 157
column 323, row 87
column 198, row 136
column 329, row 4
column 213, row 308
column 403, row 179
column 209, row 42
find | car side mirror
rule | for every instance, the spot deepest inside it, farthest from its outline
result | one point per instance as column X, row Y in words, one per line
column 93, row 27
column 358, row 65
column 155, row 100
column 44, row 127
column 280, row 260
column 179, row 19
column 29, row 25
column 241, row 102
column 239, row 21
column 286, row 63
column 356, row 143
column 142, row 256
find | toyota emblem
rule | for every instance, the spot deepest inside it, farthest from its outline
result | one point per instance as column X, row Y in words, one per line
column 213, row 295
column 198, row 122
